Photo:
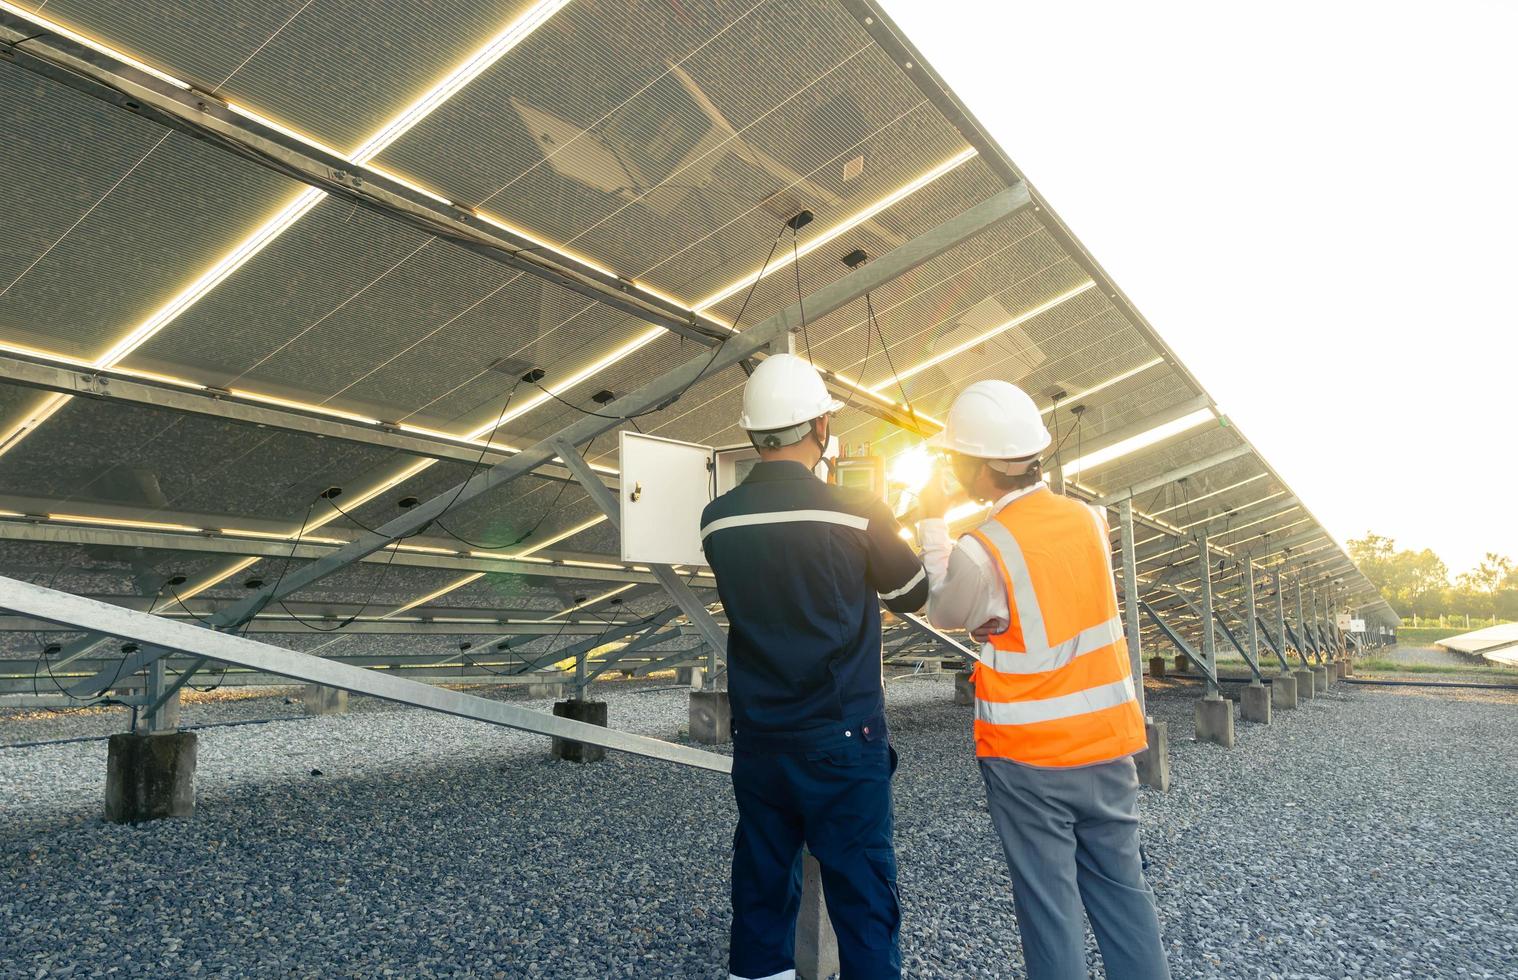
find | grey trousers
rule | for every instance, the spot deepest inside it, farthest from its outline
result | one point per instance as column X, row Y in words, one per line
column 1071, row 839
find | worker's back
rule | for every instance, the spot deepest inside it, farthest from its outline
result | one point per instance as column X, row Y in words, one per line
column 1058, row 689
column 799, row 564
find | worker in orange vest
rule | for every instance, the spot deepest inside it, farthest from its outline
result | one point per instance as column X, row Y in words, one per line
column 1056, row 716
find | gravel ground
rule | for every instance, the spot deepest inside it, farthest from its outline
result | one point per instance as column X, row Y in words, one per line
column 1366, row 834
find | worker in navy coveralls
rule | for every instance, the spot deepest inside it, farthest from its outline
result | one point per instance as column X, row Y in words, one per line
column 799, row 564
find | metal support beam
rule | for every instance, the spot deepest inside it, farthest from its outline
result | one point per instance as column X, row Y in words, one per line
column 1209, row 626
column 1179, row 473
column 60, row 607
column 1254, row 615
column 119, row 387
column 1144, row 425
column 654, row 395
column 1180, row 644
column 1130, row 599
column 928, row 631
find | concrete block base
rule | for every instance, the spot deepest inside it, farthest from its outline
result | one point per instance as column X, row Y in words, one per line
column 319, row 700
column 1319, row 679
column 545, row 690
column 1254, row 704
column 816, row 943
column 590, row 712
column 1307, row 684
column 1154, row 762
column 690, row 677
column 1214, row 721
column 149, row 777
column 1182, row 663
column 1341, row 669
column 1157, row 667
column 1349, row 668
column 964, row 688
column 1283, row 691
column 711, row 717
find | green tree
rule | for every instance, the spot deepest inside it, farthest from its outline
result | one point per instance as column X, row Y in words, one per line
column 1412, row 581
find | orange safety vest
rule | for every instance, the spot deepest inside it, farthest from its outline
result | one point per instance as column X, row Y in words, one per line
column 1055, row 689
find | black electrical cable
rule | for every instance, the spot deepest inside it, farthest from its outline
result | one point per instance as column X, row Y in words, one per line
column 552, row 506
column 885, row 349
column 800, row 300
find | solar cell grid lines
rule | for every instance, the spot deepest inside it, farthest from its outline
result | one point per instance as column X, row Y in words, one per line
column 306, row 284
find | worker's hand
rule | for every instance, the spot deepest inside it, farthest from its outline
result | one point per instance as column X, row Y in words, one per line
column 988, row 629
column 935, row 498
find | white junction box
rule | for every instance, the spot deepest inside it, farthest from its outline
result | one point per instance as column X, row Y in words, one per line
column 664, row 485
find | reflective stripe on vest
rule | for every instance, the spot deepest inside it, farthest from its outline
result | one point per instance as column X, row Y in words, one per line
column 1071, row 702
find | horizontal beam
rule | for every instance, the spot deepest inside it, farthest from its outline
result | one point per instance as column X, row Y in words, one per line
column 21, row 530
column 1179, row 473
column 35, row 370
column 1110, row 438
column 60, row 607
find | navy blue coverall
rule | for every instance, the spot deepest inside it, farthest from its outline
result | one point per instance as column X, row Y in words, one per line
column 802, row 567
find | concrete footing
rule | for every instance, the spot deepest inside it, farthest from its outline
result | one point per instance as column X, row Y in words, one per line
column 319, row 700
column 1319, row 679
column 1341, row 669
column 964, row 687
column 711, row 717
column 1349, row 668
column 816, row 943
column 590, row 712
column 1254, row 704
column 690, row 677
column 1154, row 762
column 1156, row 667
column 1283, row 691
column 149, row 777
column 1307, row 684
column 1182, row 663
column 1214, row 721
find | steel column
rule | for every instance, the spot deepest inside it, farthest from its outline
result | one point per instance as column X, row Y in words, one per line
column 1209, row 627
column 1130, row 599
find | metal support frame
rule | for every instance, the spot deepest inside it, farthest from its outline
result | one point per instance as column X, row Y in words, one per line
column 35, row 370
column 651, row 396
column 1209, row 628
column 60, row 607
column 1307, row 644
column 1180, row 644
column 1249, row 656
column 926, row 630
column 1180, row 473
column 1254, row 618
column 1130, row 600
column 693, row 608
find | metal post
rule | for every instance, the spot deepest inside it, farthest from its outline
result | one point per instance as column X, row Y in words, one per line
column 1301, row 623
column 1209, row 625
column 152, row 719
column 1281, row 614
column 1130, row 601
column 1254, row 626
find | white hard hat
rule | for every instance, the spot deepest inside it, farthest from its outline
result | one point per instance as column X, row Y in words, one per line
column 784, row 391
column 994, row 420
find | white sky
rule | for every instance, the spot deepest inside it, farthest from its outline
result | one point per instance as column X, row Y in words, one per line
column 1295, row 194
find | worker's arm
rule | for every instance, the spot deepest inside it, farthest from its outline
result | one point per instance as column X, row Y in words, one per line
column 895, row 571
column 964, row 592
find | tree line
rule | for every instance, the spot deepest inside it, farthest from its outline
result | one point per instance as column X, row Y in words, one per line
column 1417, row 583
